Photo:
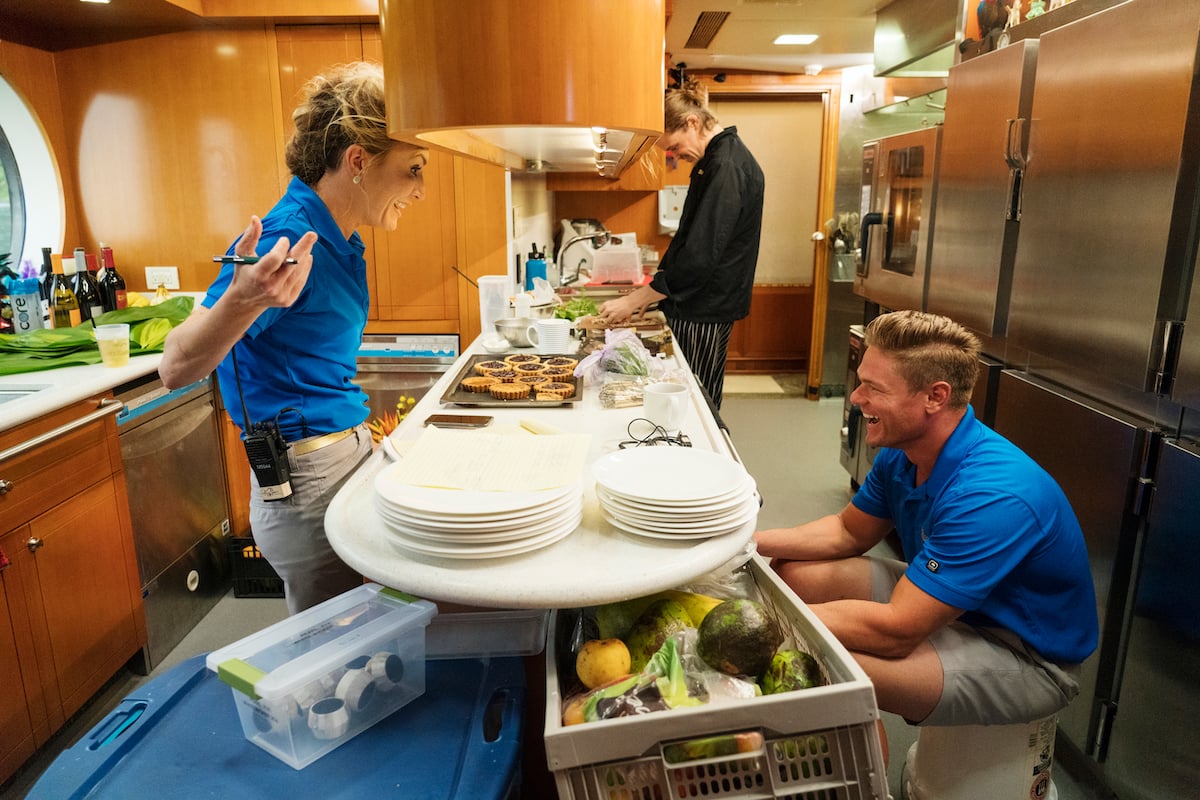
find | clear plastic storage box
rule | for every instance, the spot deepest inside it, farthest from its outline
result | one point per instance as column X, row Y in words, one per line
column 486, row 634
column 814, row 744
column 314, row 681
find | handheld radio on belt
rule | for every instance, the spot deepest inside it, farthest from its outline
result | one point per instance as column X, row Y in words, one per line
column 265, row 449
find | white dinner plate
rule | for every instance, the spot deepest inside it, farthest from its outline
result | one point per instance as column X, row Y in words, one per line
column 638, row 531
column 492, row 551
column 459, row 503
column 486, row 522
column 747, row 512
column 669, row 474
column 698, row 511
column 470, row 537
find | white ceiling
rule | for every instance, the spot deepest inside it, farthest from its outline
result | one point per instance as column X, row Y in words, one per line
column 846, row 29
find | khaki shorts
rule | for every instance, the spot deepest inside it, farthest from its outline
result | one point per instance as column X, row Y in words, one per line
column 990, row 676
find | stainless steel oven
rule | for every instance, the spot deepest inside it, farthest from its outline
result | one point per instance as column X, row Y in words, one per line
column 393, row 366
column 899, row 186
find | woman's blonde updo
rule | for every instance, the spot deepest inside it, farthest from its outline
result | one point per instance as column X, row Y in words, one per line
column 343, row 106
column 690, row 98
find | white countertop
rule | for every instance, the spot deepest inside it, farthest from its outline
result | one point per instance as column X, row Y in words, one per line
column 65, row 385
column 597, row 563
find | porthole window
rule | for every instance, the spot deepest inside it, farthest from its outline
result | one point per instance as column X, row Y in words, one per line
column 32, row 212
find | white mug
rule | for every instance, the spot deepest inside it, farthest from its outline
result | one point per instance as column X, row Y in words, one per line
column 664, row 404
column 550, row 335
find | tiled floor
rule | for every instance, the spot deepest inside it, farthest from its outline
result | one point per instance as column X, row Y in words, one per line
column 790, row 445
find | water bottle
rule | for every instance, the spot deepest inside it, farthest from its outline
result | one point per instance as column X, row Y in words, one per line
column 535, row 267
column 26, row 301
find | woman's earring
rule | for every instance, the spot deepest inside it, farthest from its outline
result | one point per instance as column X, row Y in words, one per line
column 358, row 178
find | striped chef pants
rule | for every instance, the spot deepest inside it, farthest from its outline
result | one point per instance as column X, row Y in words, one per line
column 704, row 345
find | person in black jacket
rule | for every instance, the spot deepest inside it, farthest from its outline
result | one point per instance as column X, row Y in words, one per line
column 704, row 282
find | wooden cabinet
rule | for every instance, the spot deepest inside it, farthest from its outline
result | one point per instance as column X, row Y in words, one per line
column 16, row 727
column 70, row 606
column 411, row 271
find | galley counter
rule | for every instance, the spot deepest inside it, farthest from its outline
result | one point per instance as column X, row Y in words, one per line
column 596, row 563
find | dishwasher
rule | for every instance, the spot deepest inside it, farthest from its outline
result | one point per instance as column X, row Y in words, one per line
column 391, row 366
column 175, row 478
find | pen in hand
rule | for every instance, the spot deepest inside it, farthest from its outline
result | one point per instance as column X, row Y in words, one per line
column 246, row 260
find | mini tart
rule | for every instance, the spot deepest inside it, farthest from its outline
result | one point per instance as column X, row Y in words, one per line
column 557, row 389
column 483, row 367
column 529, row 368
column 532, row 380
column 521, row 358
column 562, row 374
column 503, row 375
column 509, row 391
column 561, row 361
column 478, row 383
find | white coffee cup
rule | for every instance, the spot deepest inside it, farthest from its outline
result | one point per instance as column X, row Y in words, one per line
column 550, row 335
column 665, row 404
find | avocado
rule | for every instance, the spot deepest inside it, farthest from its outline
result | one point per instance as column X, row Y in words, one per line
column 738, row 637
column 791, row 670
column 660, row 620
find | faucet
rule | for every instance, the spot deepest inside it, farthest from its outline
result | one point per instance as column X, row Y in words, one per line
column 599, row 239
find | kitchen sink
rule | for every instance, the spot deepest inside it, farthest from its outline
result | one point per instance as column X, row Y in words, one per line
column 15, row 391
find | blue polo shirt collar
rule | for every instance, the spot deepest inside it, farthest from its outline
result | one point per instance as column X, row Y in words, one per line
column 323, row 222
column 964, row 437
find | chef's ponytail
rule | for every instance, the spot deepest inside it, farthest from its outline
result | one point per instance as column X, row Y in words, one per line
column 690, row 98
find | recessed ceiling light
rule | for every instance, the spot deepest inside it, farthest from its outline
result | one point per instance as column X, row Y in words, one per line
column 95, row 1
column 796, row 38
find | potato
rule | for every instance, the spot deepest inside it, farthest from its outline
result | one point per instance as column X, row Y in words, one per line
column 602, row 661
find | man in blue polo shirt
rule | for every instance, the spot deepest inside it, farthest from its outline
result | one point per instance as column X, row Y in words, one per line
column 989, row 619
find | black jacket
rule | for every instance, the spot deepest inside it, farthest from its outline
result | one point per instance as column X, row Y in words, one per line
column 707, row 272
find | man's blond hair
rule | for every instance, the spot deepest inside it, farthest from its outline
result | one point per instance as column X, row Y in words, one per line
column 929, row 348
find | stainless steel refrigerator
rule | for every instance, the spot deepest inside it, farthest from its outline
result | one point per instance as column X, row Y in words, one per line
column 1086, row 299
column 979, row 187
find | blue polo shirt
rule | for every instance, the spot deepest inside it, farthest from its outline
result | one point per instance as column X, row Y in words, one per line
column 990, row 532
column 297, row 364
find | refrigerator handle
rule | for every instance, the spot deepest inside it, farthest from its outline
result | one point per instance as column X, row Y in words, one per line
column 874, row 218
column 1015, row 152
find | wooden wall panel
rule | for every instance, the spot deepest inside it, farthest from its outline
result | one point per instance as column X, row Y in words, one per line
column 172, row 142
column 32, row 73
column 776, row 336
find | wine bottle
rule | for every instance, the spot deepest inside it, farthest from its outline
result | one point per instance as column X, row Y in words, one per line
column 47, row 285
column 64, row 306
column 86, row 290
column 112, row 285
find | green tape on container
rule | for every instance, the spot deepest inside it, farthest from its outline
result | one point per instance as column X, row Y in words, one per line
column 399, row 595
column 241, row 676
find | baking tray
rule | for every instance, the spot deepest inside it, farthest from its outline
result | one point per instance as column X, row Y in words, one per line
column 459, row 396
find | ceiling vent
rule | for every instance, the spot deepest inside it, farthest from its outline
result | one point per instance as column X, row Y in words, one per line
column 705, row 30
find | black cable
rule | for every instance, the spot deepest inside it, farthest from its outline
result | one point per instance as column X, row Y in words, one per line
column 657, row 435
column 237, row 379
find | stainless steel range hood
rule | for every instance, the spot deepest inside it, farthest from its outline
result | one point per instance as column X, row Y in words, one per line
column 530, row 85
column 918, row 38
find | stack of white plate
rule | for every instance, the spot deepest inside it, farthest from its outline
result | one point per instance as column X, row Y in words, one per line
column 452, row 523
column 675, row 492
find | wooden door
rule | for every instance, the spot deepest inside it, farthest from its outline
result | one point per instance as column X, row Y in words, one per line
column 83, row 586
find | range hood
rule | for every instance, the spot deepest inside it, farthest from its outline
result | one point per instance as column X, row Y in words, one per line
column 529, row 85
column 919, row 38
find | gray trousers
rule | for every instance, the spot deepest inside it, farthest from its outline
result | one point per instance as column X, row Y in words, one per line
column 290, row 533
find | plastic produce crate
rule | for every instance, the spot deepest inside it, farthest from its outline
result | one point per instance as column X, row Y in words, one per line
column 253, row 575
column 815, row 744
